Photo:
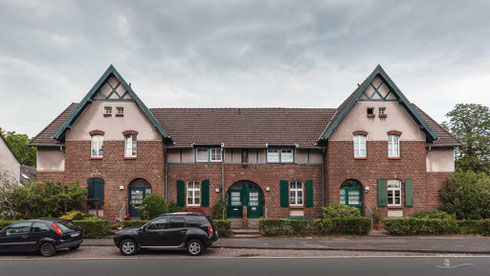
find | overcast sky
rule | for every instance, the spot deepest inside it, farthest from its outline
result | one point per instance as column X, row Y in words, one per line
column 239, row 53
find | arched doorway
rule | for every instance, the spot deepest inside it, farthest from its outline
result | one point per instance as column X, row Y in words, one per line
column 138, row 190
column 351, row 194
column 245, row 193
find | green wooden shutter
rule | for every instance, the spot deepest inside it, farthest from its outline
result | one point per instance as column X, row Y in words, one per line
column 381, row 192
column 90, row 190
column 309, row 193
column 284, row 193
column 180, row 193
column 205, row 193
column 409, row 192
column 99, row 190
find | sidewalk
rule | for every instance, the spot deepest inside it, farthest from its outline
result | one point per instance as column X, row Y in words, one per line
column 419, row 244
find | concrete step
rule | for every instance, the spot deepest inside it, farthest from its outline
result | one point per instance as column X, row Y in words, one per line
column 246, row 231
column 246, row 236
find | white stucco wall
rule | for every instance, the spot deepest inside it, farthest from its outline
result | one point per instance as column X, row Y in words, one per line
column 50, row 160
column 93, row 118
column 8, row 162
column 398, row 119
column 440, row 160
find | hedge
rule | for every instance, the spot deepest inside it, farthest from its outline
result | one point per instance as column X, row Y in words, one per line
column 288, row 227
column 224, row 228
column 94, row 228
column 474, row 227
column 417, row 226
column 133, row 223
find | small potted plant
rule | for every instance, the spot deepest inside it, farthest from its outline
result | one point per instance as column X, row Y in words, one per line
column 377, row 219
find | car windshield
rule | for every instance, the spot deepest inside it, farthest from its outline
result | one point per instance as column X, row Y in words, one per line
column 66, row 226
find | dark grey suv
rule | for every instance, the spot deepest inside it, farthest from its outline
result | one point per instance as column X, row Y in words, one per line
column 193, row 232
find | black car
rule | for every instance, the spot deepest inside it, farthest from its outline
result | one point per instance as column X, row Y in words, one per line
column 45, row 236
column 193, row 232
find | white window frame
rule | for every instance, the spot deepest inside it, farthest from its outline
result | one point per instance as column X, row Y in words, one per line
column 392, row 187
column 382, row 110
column 287, row 155
column 215, row 155
column 273, row 155
column 206, row 159
column 393, row 146
column 97, row 146
column 120, row 110
column 296, row 194
column 107, row 109
column 360, row 146
column 130, row 145
column 195, row 198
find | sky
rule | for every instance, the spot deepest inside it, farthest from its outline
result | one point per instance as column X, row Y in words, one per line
column 239, row 53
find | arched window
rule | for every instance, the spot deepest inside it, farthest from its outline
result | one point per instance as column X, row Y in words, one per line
column 360, row 146
column 393, row 146
column 130, row 146
column 97, row 148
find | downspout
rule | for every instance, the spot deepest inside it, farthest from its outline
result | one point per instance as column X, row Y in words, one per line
column 165, row 186
column 323, row 175
column 223, row 171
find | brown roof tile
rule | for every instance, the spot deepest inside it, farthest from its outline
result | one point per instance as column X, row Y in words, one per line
column 445, row 139
column 44, row 138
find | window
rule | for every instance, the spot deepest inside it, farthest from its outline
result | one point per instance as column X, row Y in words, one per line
column 130, row 146
column 108, row 110
column 382, row 111
column 394, row 192
column 273, row 155
column 370, row 111
column 18, row 228
column 360, row 146
column 393, row 146
column 193, row 193
column 216, row 155
column 97, row 146
column 296, row 193
column 176, row 222
column 158, row 224
column 286, row 155
column 120, row 110
column 202, row 155
column 39, row 227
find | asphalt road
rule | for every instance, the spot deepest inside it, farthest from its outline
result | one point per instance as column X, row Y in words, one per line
column 253, row 266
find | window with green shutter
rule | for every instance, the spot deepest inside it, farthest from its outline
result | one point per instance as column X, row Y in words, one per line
column 205, row 193
column 284, row 191
column 409, row 192
column 309, row 193
column 95, row 190
column 180, row 193
column 381, row 192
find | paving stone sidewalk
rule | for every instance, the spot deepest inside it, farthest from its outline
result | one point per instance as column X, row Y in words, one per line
column 419, row 244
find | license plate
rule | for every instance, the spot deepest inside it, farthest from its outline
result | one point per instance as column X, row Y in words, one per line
column 73, row 235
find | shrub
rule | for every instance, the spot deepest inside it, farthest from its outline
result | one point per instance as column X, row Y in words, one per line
column 224, row 228
column 467, row 195
column 173, row 207
column 193, row 210
column 287, row 227
column 94, row 228
column 416, row 226
column 153, row 206
column 74, row 215
column 340, row 211
column 377, row 216
column 133, row 223
column 219, row 210
column 351, row 226
column 433, row 214
column 474, row 227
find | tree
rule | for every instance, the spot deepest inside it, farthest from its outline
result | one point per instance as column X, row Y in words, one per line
column 470, row 123
column 18, row 144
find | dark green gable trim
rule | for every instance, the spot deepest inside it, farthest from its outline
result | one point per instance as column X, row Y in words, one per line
column 89, row 98
column 431, row 135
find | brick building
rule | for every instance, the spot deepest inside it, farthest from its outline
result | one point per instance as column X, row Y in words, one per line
column 376, row 150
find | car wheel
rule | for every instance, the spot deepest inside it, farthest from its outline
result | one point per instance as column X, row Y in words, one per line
column 47, row 249
column 194, row 247
column 74, row 247
column 128, row 247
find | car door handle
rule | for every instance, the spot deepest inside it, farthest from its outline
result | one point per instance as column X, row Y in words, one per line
column 161, row 233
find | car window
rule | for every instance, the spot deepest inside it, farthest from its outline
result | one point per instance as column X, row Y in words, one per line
column 158, row 224
column 39, row 227
column 176, row 222
column 193, row 221
column 18, row 228
column 68, row 224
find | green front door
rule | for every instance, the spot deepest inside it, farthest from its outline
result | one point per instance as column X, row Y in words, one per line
column 247, row 194
column 254, row 207
column 235, row 209
column 138, row 190
column 351, row 196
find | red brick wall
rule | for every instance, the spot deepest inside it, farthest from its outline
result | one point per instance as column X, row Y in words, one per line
column 50, row 176
column 115, row 170
column 434, row 185
column 263, row 175
column 341, row 166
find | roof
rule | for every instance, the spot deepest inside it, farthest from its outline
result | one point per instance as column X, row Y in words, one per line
column 344, row 108
column 445, row 139
column 45, row 137
column 10, row 149
column 27, row 175
column 87, row 100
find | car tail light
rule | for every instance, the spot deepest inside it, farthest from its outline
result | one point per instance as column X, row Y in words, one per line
column 58, row 231
column 210, row 230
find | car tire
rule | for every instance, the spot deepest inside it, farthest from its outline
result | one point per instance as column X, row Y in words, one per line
column 74, row 247
column 128, row 247
column 47, row 249
column 194, row 247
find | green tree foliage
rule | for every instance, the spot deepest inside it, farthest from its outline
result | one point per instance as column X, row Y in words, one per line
column 153, row 206
column 219, row 210
column 340, row 211
column 470, row 123
column 18, row 144
column 467, row 195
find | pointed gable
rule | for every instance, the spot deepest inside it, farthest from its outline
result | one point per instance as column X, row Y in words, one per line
column 110, row 87
column 378, row 86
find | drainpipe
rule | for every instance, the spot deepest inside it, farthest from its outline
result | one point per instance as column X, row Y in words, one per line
column 223, row 171
column 323, row 175
column 165, row 186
